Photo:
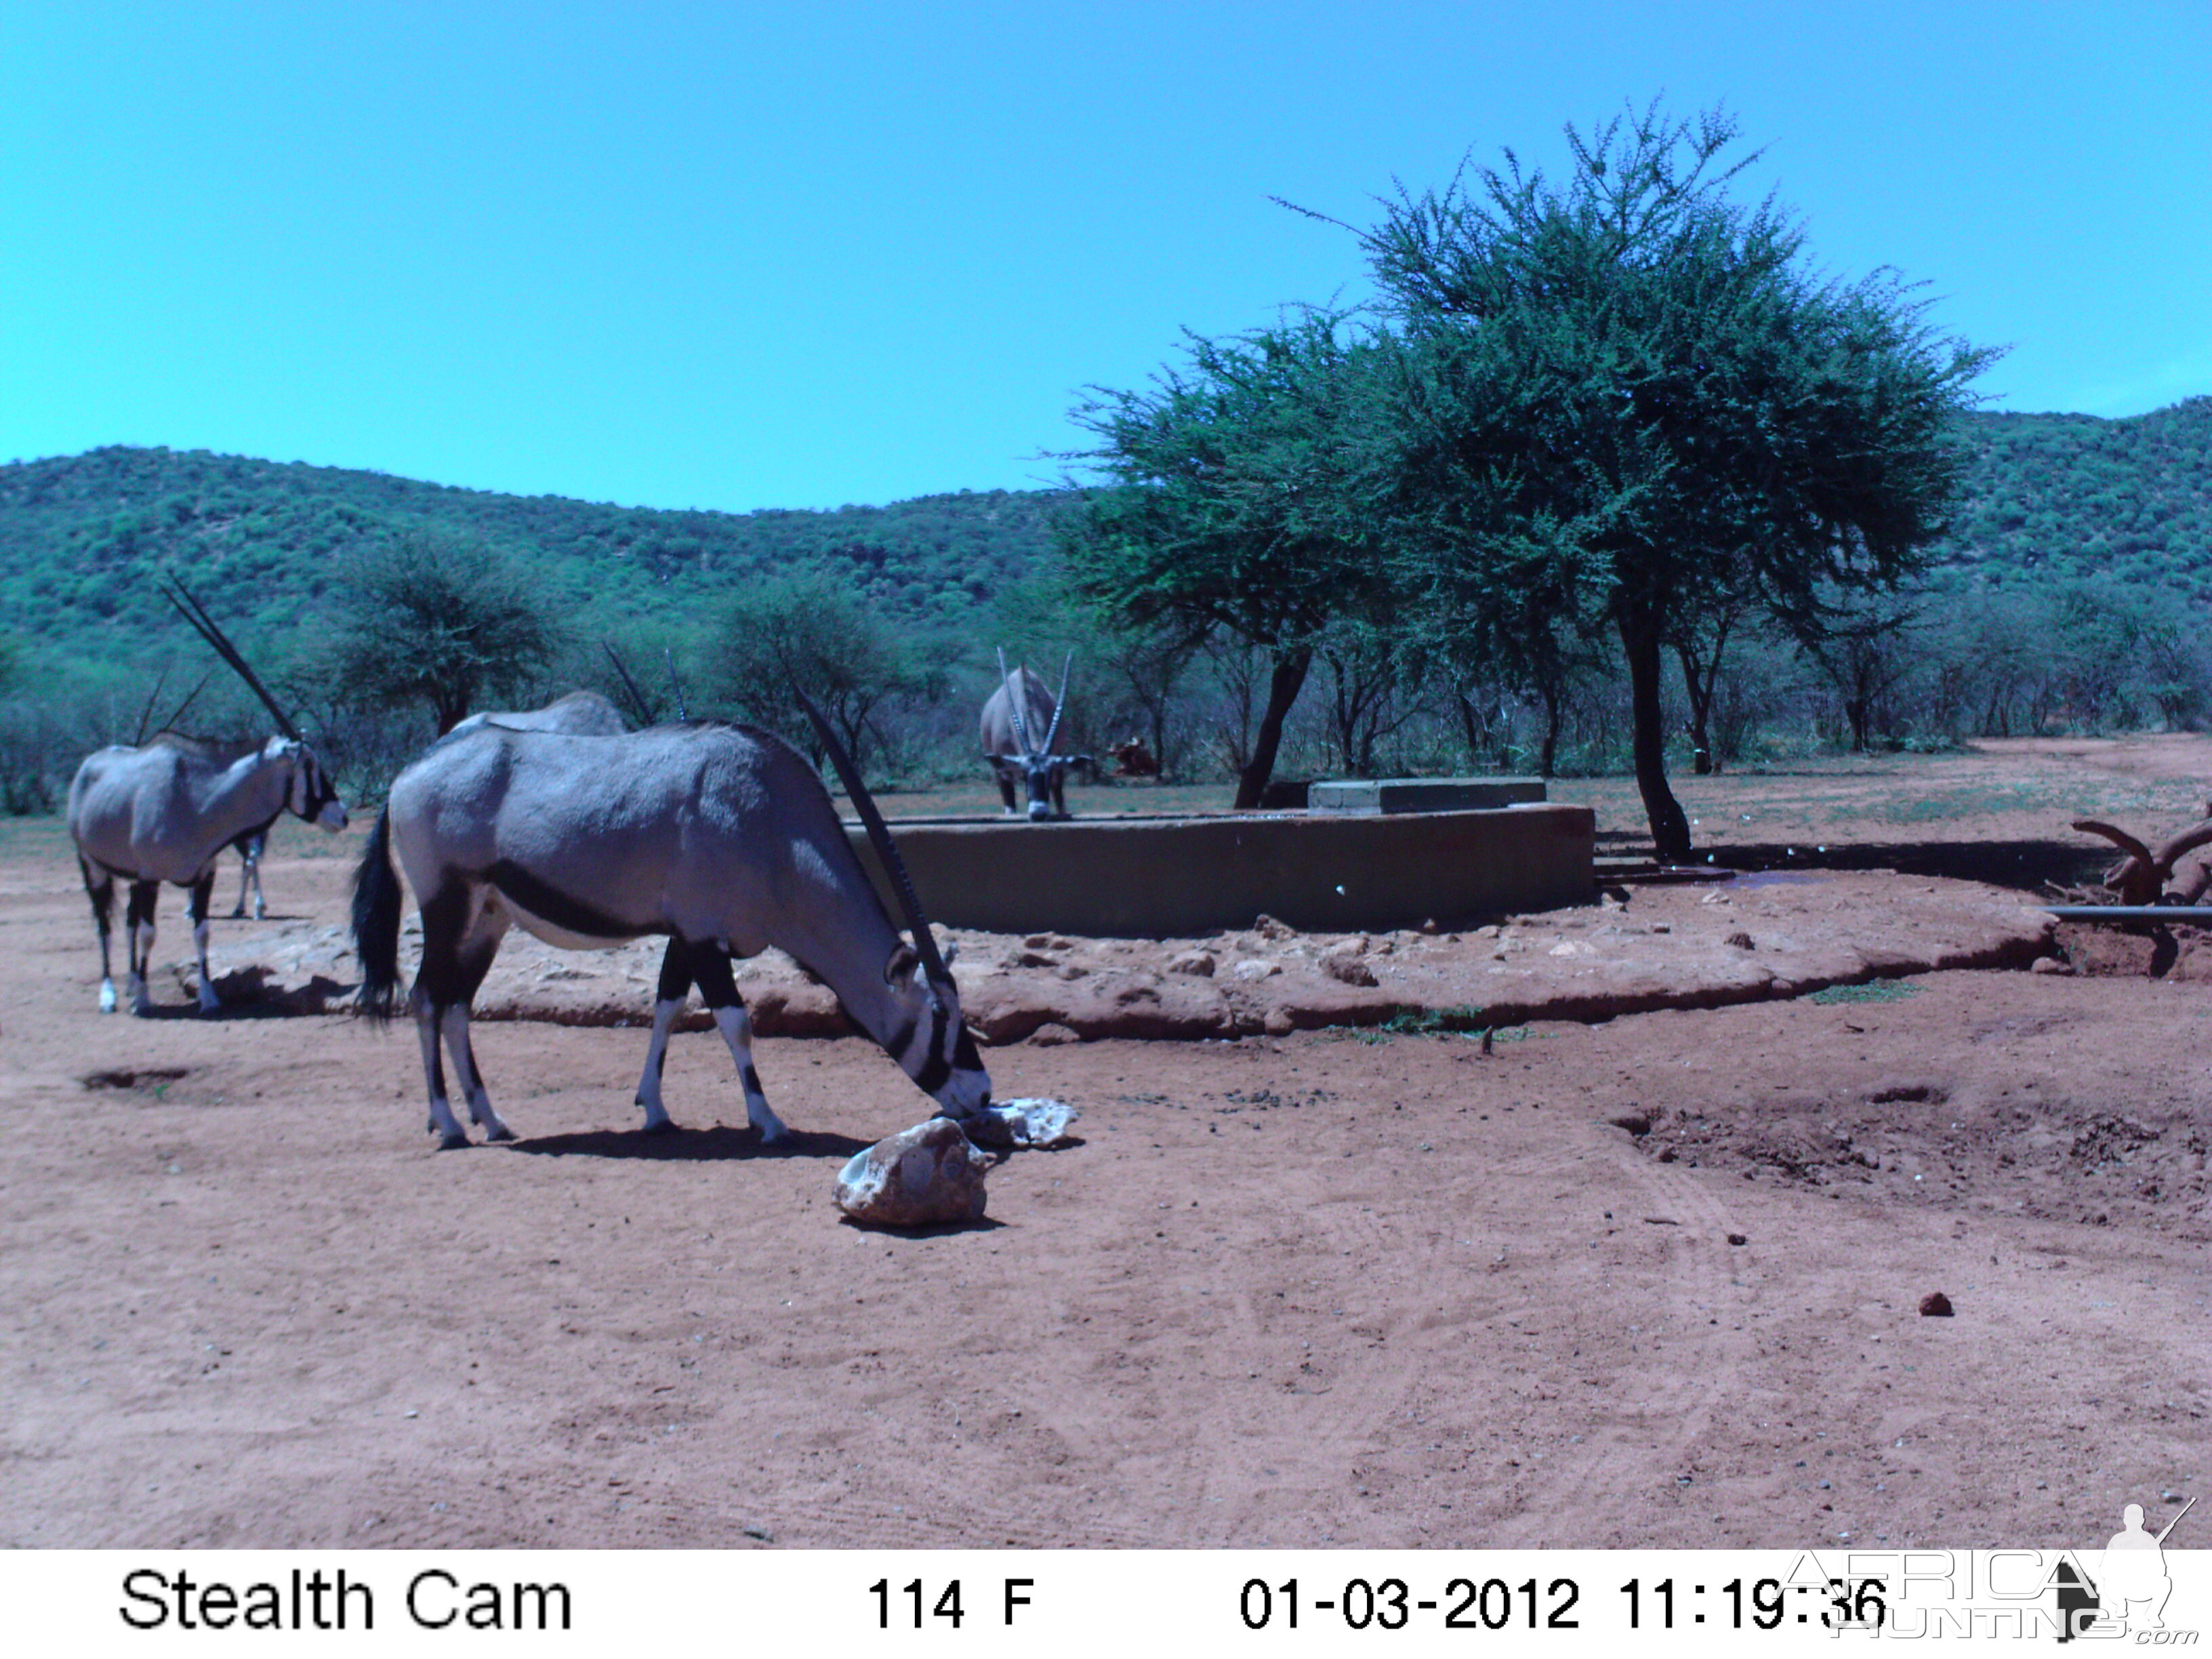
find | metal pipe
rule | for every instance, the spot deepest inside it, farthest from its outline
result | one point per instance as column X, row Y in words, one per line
column 2199, row 914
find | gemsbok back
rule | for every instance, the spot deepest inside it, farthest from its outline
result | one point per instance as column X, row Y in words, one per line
column 165, row 811
column 719, row 837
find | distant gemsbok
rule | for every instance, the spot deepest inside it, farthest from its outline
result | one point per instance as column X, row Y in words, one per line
column 165, row 811
column 1016, row 712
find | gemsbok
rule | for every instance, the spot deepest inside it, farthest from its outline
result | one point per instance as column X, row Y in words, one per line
column 1018, row 709
column 166, row 811
column 719, row 837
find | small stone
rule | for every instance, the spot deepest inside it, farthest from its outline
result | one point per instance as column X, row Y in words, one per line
column 2050, row 965
column 919, row 1177
column 1198, row 964
column 1741, row 941
column 1252, row 968
column 1935, row 1305
column 1344, row 966
column 1739, row 1238
column 1268, row 928
column 1052, row 1034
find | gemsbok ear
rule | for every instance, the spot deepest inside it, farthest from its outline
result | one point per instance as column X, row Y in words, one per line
column 904, row 959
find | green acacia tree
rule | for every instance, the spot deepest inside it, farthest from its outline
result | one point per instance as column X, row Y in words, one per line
column 817, row 631
column 1629, row 396
column 439, row 620
column 1232, row 509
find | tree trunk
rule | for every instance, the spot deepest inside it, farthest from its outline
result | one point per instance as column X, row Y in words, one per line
column 1700, row 691
column 1284, row 683
column 1670, row 825
column 1555, row 701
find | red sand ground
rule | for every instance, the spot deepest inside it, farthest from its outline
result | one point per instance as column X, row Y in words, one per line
column 1324, row 1288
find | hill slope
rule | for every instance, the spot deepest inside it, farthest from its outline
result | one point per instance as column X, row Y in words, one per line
column 2048, row 498
column 81, row 536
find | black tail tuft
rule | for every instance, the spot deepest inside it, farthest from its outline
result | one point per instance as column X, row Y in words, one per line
column 376, row 900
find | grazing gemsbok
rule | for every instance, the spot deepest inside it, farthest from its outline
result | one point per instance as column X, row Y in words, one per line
column 719, row 837
column 164, row 811
column 1020, row 706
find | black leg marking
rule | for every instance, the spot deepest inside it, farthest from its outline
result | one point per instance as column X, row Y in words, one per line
column 711, row 969
column 675, row 971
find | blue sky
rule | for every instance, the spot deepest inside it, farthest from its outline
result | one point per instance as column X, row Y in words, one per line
column 716, row 256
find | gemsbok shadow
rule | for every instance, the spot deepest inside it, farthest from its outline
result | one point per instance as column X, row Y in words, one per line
column 716, row 1145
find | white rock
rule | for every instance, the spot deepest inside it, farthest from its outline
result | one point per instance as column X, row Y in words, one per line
column 1031, row 1121
column 920, row 1176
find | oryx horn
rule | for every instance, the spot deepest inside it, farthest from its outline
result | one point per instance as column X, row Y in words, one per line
column 1058, row 702
column 181, row 596
column 668, row 656
column 637, row 700
column 190, row 697
column 925, row 943
column 147, row 713
column 1014, row 704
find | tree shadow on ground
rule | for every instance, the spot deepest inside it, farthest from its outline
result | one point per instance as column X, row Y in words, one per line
column 713, row 1145
column 2024, row 866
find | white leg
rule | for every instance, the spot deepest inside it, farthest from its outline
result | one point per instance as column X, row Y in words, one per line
column 142, row 962
column 443, row 1123
column 106, row 995
column 208, row 1001
column 648, row 1087
column 456, row 1024
column 737, row 1029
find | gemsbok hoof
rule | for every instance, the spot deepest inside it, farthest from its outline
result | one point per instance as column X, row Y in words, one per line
column 453, row 1142
column 500, row 1134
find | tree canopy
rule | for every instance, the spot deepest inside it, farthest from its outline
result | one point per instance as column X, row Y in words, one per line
column 1628, row 401
column 1233, row 508
column 438, row 621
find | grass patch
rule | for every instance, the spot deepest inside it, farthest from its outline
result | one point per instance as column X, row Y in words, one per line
column 1463, row 1021
column 1875, row 990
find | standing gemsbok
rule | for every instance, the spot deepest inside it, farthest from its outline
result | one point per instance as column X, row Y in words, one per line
column 166, row 811
column 719, row 837
column 1017, row 710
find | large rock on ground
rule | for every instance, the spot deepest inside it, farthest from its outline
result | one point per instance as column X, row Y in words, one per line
column 919, row 1177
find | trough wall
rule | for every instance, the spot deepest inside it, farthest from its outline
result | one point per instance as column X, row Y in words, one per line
column 1190, row 877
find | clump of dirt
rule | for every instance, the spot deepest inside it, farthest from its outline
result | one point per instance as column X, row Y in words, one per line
column 2139, row 949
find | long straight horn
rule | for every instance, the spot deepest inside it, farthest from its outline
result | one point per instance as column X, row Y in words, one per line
column 147, row 713
column 1060, row 703
column 1014, row 704
column 925, row 943
column 637, row 700
column 195, row 614
column 674, row 684
column 190, row 697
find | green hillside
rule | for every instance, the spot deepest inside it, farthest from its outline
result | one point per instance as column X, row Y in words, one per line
column 2048, row 498
column 80, row 537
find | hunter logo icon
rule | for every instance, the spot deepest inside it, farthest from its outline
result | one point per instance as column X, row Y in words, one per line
column 2131, row 1585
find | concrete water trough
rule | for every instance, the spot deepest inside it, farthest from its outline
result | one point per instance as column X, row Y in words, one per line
column 1194, row 875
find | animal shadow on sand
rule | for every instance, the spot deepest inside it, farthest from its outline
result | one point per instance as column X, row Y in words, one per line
column 716, row 1145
